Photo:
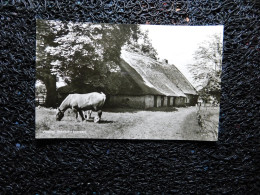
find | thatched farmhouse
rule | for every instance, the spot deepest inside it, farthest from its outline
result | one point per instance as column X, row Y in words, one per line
column 161, row 84
column 144, row 83
column 176, row 77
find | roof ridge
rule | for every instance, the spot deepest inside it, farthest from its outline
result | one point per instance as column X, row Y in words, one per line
column 154, row 73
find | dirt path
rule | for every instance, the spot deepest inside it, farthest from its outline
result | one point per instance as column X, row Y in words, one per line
column 174, row 125
column 161, row 125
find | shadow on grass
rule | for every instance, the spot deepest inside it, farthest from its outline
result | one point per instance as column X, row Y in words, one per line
column 91, row 120
column 162, row 109
column 121, row 110
column 104, row 122
column 134, row 110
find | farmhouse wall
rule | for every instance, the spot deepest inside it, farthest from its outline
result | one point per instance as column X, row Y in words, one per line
column 149, row 101
column 188, row 99
column 127, row 101
column 171, row 101
column 159, row 101
column 165, row 101
column 179, row 101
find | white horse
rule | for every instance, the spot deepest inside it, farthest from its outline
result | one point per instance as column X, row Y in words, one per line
column 82, row 102
column 88, row 114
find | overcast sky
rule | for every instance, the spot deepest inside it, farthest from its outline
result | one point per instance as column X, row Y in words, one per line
column 178, row 43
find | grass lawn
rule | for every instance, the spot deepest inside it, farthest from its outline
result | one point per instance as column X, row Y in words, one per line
column 210, row 120
column 156, row 123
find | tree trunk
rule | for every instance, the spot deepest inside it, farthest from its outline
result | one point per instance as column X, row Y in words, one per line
column 51, row 96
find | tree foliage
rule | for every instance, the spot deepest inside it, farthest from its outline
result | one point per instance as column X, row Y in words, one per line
column 82, row 52
column 206, row 69
column 142, row 44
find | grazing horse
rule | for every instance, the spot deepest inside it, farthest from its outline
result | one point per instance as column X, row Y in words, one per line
column 82, row 102
column 88, row 114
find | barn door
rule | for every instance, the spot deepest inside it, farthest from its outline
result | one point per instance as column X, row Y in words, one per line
column 168, row 101
column 155, row 101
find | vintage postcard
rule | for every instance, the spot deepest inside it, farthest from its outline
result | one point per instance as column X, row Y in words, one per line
column 120, row 81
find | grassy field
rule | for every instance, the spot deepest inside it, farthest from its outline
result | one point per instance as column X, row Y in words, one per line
column 209, row 120
column 165, row 124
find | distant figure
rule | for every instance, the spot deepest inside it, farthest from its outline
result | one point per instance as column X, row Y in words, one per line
column 82, row 102
column 200, row 101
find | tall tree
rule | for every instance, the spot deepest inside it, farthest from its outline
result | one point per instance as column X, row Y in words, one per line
column 206, row 69
column 44, row 38
column 84, row 53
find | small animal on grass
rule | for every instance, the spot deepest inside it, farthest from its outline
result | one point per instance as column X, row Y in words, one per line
column 82, row 102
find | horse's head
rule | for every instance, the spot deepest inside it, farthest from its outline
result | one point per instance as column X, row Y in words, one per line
column 59, row 115
column 96, row 119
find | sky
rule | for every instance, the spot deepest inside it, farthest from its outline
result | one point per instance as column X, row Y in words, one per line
column 178, row 43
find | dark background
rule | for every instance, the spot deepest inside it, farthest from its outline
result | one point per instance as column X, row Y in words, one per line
column 229, row 166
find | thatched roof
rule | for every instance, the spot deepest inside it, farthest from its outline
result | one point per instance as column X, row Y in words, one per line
column 140, row 75
column 136, row 84
column 152, row 73
column 125, row 82
column 178, row 78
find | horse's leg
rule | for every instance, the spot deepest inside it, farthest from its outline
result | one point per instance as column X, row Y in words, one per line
column 98, row 111
column 85, row 114
column 99, row 114
column 76, row 113
column 89, row 112
column 81, row 114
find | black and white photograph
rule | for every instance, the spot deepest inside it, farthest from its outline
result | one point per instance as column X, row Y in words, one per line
column 127, row 81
